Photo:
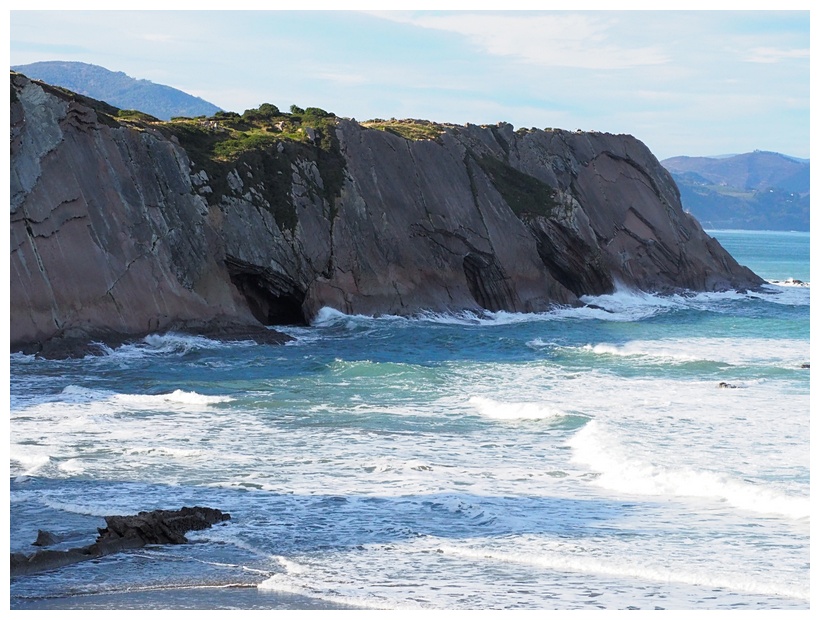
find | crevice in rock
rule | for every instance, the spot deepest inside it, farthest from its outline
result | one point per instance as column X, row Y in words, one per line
column 273, row 298
column 572, row 262
column 488, row 284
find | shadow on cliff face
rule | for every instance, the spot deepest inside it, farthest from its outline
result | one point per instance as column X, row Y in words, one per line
column 488, row 284
column 273, row 299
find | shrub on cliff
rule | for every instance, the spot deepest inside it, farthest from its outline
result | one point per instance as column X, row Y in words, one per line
column 265, row 112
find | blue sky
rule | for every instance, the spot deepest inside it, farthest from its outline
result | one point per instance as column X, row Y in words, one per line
column 684, row 82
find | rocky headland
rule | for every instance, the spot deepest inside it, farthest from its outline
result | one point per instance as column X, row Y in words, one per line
column 123, row 225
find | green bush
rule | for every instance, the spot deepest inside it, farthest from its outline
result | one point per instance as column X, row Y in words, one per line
column 264, row 112
column 136, row 115
column 317, row 113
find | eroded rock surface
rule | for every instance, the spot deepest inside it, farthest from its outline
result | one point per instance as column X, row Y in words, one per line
column 157, row 527
column 117, row 230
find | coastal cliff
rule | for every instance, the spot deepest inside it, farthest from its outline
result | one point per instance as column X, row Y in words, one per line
column 124, row 225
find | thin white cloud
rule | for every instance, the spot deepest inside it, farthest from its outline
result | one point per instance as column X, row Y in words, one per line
column 771, row 55
column 553, row 40
column 342, row 79
column 157, row 38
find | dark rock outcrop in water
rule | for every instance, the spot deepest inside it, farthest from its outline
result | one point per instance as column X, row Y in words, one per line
column 158, row 527
column 122, row 228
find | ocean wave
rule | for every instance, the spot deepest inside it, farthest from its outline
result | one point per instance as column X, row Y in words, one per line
column 329, row 317
column 623, row 305
column 783, row 353
column 167, row 344
column 104, row 508
column 575, row 560
column 30, row 462
column 790, row 282
column 783, row 293
column 498, row 410
column 78, row 405
column 180, row 397
column 339, row 593
column 598, row 449
column 177, row 397
column 174, row 453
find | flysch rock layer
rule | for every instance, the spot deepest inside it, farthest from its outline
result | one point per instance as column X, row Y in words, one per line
column 117, row 232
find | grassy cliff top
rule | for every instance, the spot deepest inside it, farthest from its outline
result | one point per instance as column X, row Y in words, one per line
column 408, row 128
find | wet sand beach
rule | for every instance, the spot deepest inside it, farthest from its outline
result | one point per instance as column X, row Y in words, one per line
column 209, row 597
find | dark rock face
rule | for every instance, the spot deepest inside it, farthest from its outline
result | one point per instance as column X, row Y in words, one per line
column 44, row 539
column 115, row 230
column 121, row 533
column 160, row 527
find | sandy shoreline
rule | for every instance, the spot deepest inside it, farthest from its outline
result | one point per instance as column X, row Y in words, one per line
column 205, row 597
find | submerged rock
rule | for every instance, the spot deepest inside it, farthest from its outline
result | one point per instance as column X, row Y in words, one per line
column 125, row 228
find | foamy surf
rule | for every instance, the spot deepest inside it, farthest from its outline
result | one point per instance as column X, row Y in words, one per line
column 579, row 560
column 784, row 353
column 499, row 410
column 167, row 344
column 599, row 449
column 622, row 305
column 355, row 464
column 346, row 595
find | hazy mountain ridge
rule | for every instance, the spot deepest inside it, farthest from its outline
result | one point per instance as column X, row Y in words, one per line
column 118, row 89
column 761, row 190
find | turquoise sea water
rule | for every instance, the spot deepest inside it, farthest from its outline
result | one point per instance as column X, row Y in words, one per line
column 581, row 458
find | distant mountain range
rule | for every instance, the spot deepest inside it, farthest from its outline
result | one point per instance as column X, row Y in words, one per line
column 753, row 191
column 118, row 89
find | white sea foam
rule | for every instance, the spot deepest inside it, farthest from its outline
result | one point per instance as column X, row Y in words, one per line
column 278, row 583
column 329, row 317
column 785, row 294
column 513, row 410
column 193, row 398
column 167, row 344
column 581, row 562
column 598, row 448
column 790, row 282
column 786, row 353
column 30, row 459
column 159, row 451
column 105, row 507
column 290, row 567
column 623, row 305
column 80, row 395
column 85, row 408
column 71, row 466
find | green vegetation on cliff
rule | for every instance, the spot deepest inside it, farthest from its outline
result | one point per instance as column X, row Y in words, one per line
column 268, row 142
column 408, row 128
column 526, row 195
column 226, row 135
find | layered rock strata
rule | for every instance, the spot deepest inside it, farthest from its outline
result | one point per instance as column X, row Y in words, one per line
column 118, row 229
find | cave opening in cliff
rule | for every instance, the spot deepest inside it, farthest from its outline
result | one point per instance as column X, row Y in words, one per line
column 273, row 299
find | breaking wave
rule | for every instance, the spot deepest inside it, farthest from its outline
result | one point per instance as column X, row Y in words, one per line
column 596, row 448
